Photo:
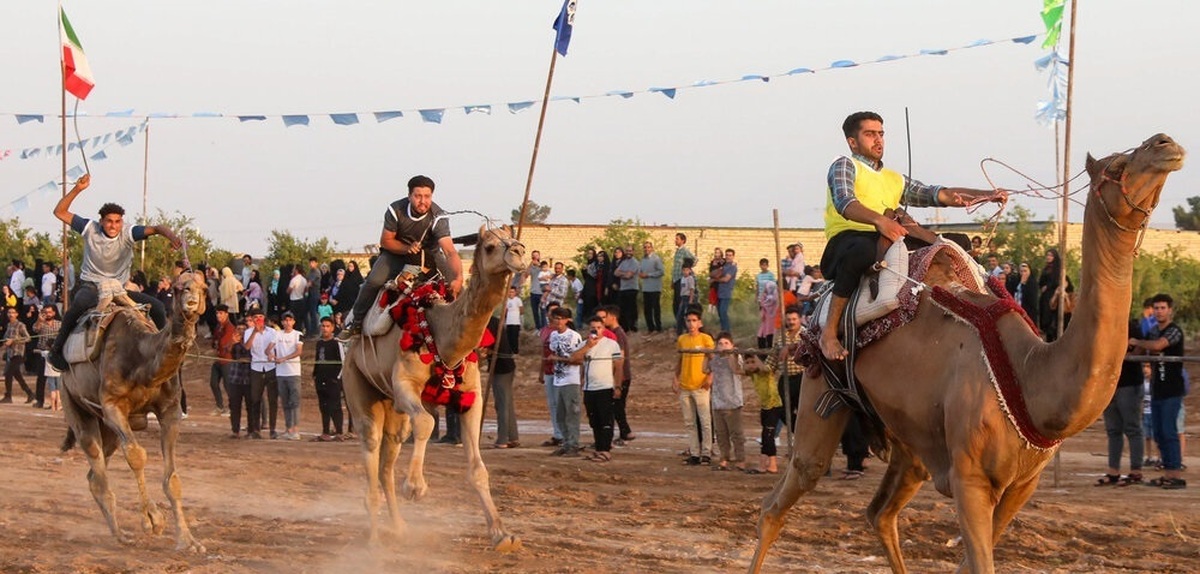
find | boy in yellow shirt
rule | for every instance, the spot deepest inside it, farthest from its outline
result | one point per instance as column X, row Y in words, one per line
column 691, row 385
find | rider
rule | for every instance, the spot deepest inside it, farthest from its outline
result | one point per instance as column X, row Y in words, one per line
column 412, row 227
column 860, row 190
column 107, row 254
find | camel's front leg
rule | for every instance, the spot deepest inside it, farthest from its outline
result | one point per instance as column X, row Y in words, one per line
column 975, row 500
column 901, row 481
column 409, row 402
column 172, row 487
column 477, row 476
column 135, row 456
column 811, row 454
column 390, row 445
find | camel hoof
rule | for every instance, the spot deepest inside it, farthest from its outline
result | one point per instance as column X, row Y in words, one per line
column 153, row 521
column 414, row 491
column 507, row 544
column 189, row 544
column 124, row 539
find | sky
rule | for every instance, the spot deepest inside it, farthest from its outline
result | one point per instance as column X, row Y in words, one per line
column 722, row 155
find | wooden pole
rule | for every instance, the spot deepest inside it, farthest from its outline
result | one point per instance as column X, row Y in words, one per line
column 62, row 78
column 1066, row 199
column 779, row 280
column 537, row 142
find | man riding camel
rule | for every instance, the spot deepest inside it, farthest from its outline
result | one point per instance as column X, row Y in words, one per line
column 860, row 191
column 412, row 226
column 107, row 256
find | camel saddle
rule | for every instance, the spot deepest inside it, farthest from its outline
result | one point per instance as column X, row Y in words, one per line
column 378, row 319
column 86, row 340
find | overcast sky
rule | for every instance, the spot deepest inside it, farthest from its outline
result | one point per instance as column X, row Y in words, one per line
column 718, row 155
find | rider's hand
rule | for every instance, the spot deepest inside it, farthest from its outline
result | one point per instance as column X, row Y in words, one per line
column 456, row 286
column 890, row 229
column 83, row 182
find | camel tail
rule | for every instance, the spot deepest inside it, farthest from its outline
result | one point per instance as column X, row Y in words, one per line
column 68, row 441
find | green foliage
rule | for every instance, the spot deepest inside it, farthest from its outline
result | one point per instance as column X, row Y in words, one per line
column 1188, row 219
column 284, row 248
column 17, row 242
column 623, row 233
column 1019, row 240
column 534, row 213
column 1169, row 272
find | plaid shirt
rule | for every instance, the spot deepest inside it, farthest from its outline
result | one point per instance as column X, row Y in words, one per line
column 19, row 335
column 46, row 331
column 841, row 185
column 239, row 366
column 791, row 367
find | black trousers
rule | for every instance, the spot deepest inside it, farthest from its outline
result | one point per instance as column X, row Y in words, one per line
column 239, row 395
column 652, row 309
column 627, row 301
column 39, row 367
column 854, row 444
column 86, row 297
column 790, row 384
column 260, row 381
column 618, row 411
column 847, row 258
column 770, row 421
column 218, row 378
column 599, row 407
column 329, row 400
column 12, row 370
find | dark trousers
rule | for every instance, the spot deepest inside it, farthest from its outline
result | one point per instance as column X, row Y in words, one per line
column 847, row 257
column 535, row 307
column 854, row 444
column 386, row 266
column 652, row 309
column 790, row 384
column 599, row 407
column 39, row 367
column 86, row 297
column 329, row 400
column 675, row 307
column 512, row 334
column 218, row 376
column 627, row 301
column 12, row 370
column 770, row 425
column 260, row 381
column 766, row 342
column 239, row 395
column 618, row 411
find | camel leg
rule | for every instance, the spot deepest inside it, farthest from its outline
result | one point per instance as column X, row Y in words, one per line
column 810, row 458
column 172, row 486
column 407, row 401
column 975, row 500
column 903, row 479
column 370, row 432
column 89, row 437
column 390, row 443
column 477, row 476
column 1011, row 502
column 135, row 457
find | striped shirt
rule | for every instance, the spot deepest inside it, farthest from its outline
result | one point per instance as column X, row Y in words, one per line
column 841, row 185
column 790, row 367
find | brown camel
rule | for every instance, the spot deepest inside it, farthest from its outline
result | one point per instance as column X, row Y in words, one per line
column 383, row 388
column 946, row 420
column 106, row 400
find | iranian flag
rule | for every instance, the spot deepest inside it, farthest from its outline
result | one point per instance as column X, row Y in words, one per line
column 77, row 75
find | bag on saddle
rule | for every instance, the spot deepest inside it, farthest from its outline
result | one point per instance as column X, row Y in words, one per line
column 869, row 308
column 82, row 345
column 1068, row 306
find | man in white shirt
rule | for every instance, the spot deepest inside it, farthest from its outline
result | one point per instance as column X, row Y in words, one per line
column 16, row 278
column 562, row 344
column 287, row 372
column 260, row 339
column 49, row 282
column 602, row 367
column 297, row 292
column 512, row 318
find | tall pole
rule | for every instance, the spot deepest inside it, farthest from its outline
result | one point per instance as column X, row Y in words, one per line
column 537, row 141
column 1066, row 199
column 62, row 93
column 145, row 184
column 787, row 398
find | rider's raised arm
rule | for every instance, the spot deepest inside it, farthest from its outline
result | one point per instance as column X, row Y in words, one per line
column 141, row 232
column 62, row 210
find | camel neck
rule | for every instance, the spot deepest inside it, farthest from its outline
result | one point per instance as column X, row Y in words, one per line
column 457, row 327
column 173, row 340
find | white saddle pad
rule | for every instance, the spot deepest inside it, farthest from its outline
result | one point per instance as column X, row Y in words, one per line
column 885, row 302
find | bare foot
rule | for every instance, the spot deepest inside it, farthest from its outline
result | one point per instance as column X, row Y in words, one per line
column 832, row 348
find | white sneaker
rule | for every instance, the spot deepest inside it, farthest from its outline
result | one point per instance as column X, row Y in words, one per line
column 294, row 436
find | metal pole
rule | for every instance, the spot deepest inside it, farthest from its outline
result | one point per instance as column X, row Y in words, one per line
column 62, row 78
column 537, row 141
column 145, row 184
column 1065, row 206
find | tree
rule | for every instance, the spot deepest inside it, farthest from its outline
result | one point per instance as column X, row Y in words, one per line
column 160, row 257
column 1188, row 219
column 18, row 242
column 621, row 233
column 1020, row 240
column 534, row 213
column 284, row 248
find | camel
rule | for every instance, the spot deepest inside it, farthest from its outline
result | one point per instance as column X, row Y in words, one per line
column 383, row 388
column 106, row 400
column 945, row 419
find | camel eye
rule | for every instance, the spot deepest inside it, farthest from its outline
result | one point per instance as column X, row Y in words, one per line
column 490, row 248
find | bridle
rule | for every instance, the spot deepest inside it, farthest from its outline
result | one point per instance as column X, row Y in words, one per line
column 1119, row 181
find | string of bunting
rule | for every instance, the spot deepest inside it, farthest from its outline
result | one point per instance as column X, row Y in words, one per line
column 437, row 115
column 56, row 149
column 120, row 138
column 1054, row 109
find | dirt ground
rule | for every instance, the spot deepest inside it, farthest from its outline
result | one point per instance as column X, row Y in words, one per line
column 297, row 507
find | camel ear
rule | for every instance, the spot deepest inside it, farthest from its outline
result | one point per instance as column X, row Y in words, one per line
column 1090, row 165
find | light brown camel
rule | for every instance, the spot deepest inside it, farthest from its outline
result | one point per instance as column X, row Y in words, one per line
column 943, row 416
column 383, row 388
column 106, row 400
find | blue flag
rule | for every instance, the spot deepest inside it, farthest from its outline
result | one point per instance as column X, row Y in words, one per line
column 563, row 24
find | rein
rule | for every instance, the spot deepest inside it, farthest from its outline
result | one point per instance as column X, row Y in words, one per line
column 1140, row 230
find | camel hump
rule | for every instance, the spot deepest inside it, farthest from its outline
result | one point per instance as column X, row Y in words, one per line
column 87, row 338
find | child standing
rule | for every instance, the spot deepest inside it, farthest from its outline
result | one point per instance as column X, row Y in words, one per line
column 691, row 385
column 770, row 413
column 324, row 309
column 288, row 346
column 53, row 402
column 687, row 294
column 727, row 402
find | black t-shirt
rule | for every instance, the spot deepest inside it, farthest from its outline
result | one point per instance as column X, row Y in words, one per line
column 1167, row 378
column 397, row 219
column 327, row 352
column 1131, row 371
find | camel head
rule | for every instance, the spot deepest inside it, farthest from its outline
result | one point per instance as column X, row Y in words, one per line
column 497, row 253
column 1128, row 184
column 190, row 293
